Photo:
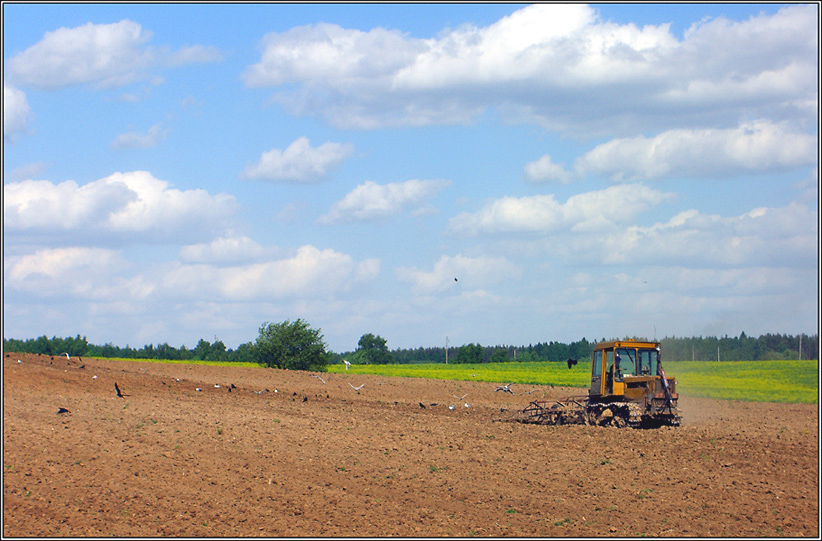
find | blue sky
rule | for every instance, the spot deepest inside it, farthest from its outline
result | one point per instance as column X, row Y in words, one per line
column 493, row 173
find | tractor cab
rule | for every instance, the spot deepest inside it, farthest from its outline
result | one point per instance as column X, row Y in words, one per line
column 625, row 368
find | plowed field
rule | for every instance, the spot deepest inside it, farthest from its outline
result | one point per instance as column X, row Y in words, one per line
column 313, row 458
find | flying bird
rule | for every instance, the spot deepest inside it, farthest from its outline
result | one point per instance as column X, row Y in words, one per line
column 422, row 405
column 461, row 397
column 63, row 410
column 456, row 280
column 116, row 388
column 356, row 388
column 68, row 357
column 505, row 389
column 232, row 386
column 319, row 378
column 571, row 362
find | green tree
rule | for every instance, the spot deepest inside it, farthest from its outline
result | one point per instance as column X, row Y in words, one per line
column 372, row 350
column 469, row 353
column 291, row 346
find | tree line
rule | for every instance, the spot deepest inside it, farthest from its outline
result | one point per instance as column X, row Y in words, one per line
column 295, row 345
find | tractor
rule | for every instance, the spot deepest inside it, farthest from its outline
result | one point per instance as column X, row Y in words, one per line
column 628, row 388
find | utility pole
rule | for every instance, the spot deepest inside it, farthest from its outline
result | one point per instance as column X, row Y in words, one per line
column 446, row 350
column 800, row 346
column 717, row 353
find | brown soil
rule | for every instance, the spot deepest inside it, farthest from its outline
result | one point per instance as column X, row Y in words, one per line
column 309, row 458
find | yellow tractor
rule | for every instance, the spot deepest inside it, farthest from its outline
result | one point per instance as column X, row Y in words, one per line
column 628, row 388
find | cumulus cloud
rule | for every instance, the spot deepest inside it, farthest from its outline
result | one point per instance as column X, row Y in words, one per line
column 543, row 214
column 300, row 162
column 15, row 111
column 223, row 250
column 557, row 65
column 545, row 170
column 105, row 55
column 139, row 140
column 473, row 273
column 79, row 272
column 310, row 273
column 122, row 205
column 754, row 147
column 370, row 201
column 768, row 236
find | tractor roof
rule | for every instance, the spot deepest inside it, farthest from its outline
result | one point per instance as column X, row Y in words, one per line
column 626, row 344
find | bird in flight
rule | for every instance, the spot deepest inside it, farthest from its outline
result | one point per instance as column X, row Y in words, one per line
column 68, row 357
column 318, row 377
column 505, row 389
column 63, row 410
column 116, row 388
column 571, row 362
column 461, row 397
column 357, row 388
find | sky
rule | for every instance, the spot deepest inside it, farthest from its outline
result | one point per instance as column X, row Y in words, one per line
column 500, row 174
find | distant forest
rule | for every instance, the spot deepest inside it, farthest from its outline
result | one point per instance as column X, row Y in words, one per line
column 739, row 348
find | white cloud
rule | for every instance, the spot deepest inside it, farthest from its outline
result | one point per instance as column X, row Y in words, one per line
column 15, row 111
column 773, row 237
column 28, row 171
column 122, row 205
column 460, row 273
column 754, row 147
column 557, row 65
column 138, row 140
column 329, row 51
column 370, row 201
column 310, row 273
column 223, row 250
column 300, row 162
column 545, row 170
column 79, row 272
column 106, row 55
column 543, row 214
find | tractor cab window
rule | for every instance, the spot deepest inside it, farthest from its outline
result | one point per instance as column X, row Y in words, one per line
column 625, row 363
column 647, row 362
column 609, row 367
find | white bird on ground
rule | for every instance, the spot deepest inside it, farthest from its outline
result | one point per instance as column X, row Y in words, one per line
column 467, row 405
column 357, row 388
column 318, row 377
column 347, row 364
column 505, row 389
column 95, row 376
column 216, row 385
column 68, row 357
column 198, row 390
column 19, row 361
column 451, row 407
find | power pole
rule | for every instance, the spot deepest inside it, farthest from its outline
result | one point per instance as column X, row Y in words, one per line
column 800, row 347
column 446, row 350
